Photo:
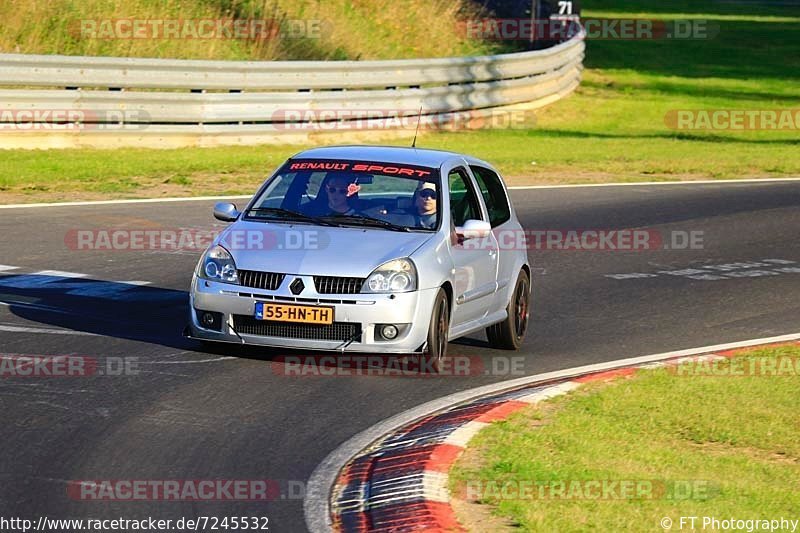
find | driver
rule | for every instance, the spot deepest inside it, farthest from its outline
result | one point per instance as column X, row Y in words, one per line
column 340, row 194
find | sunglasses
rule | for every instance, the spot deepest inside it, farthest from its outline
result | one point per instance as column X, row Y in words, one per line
column 428, row 194
column 340, row 190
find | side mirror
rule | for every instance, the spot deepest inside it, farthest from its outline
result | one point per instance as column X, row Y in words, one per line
column 225, row 212
column 474, row 229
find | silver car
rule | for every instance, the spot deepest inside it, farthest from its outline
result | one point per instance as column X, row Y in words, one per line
column 367, row 249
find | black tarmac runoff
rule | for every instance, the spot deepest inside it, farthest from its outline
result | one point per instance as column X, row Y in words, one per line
column 722, row 264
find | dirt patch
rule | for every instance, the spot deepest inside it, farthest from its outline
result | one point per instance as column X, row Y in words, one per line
column 723, row 448
column 194, row 185
column 476, row 516
column 473, row 515
column 572, row 177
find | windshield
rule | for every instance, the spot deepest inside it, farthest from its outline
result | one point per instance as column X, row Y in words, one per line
column 362, row 193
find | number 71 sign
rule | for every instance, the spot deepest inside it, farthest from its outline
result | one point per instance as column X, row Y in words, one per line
column 547, row 14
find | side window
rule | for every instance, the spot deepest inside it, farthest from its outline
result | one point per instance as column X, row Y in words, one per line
column 314, row 184
column 276, row 190
column 493, row 195
column 463, row 202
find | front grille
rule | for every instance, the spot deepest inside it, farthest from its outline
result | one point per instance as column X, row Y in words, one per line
column 338, row 331
column 337, row 285
column 260, row 280
column 297, row 300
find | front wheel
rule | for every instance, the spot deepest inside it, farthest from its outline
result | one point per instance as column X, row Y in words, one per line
column 438, row 332
column 509, row 334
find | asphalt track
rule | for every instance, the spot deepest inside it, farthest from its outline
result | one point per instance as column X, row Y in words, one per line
column 189, row 413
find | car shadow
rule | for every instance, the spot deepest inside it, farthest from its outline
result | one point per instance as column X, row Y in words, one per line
column 140, row 313
column 109, row 308
column 472, row 342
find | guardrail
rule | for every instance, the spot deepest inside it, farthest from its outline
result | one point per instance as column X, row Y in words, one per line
column 102, row 101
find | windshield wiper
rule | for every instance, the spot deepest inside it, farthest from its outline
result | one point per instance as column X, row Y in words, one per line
column 291, row 215
column 368, row 221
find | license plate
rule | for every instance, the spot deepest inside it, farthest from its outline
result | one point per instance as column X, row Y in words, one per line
column 294, row 313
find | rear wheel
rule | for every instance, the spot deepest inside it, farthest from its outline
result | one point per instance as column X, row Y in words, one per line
column 509, row 334
column 438, row 331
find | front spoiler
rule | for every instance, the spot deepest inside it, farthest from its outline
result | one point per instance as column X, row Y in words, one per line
column 275, row 342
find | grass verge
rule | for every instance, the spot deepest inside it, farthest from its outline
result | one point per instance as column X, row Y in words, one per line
column 611, row 130
column 709, row 443
column 292, row 29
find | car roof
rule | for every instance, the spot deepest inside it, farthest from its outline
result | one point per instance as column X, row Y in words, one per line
column 386, row 154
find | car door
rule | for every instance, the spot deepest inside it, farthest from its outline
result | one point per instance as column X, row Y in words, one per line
column 506, row 231
column 475, row 260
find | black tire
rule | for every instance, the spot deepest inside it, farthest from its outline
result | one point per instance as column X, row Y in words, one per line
column 438, row 332
column 510, row 333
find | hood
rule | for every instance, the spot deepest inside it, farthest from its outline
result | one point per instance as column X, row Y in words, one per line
column 322, row 250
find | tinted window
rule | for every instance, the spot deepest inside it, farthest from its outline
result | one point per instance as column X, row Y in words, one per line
column 493, row 195
column 404, row 195
column 463, row 202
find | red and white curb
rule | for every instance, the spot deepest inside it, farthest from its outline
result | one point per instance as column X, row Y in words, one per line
column 397, row 480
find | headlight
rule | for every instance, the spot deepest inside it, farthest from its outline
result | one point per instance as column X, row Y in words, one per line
column 218, row 265
column 399, row 275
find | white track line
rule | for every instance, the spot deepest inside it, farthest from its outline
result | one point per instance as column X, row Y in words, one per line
column 515, row 188
column 23, row 329
column 635, row 183
column 136, row 201
column 316, row 506
column 194, row 362
column 60, row 274
column 74, row 275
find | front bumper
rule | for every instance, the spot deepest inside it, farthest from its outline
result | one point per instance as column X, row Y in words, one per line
column 363, row 311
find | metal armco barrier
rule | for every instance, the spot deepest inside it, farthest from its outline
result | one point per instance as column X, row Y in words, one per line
column 66, row 101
